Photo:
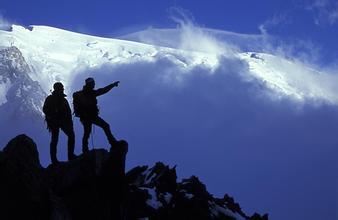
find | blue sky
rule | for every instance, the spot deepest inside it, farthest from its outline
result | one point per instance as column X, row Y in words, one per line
column 272, row 157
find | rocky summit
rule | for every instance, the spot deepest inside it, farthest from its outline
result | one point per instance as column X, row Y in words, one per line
column 96, row 186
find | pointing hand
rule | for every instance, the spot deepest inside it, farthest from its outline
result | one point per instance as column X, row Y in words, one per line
column 116, row 83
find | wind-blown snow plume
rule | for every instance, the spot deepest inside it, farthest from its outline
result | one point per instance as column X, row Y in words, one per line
column 193, row 38
column 4, row 23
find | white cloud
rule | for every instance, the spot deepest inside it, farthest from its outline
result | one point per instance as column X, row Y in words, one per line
column 333, row 15
column 276, row 20
column 326, row 12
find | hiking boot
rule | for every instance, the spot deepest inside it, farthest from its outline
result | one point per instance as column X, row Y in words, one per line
column 55, row 162
column 72, row 157
column 85, row 150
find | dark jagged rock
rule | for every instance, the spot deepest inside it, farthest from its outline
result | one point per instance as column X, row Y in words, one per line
column 231, row 204
column 22, row 189
column 257, row 216
column 154, row 193
column 95, row 186
column 160, row 176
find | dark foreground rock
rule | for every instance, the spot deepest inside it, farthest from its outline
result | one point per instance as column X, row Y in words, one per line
column 95, row 186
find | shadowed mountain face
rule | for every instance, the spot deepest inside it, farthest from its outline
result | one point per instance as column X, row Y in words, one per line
column 20, row 95
column 95, row 186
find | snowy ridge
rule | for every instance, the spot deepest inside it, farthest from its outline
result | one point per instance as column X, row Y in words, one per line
column 291, row 78
column 58, row 54
column 172, row 37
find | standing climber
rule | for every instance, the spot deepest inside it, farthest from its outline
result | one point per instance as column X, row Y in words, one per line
column 58, row 115
column 85, row 107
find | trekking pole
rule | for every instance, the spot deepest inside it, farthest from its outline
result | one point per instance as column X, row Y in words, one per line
column 92, row 134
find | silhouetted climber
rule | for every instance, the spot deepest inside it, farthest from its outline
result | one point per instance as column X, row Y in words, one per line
column 59, row 115
column 85, row 107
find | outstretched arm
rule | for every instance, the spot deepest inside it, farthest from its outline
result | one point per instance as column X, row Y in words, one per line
column 106, row 89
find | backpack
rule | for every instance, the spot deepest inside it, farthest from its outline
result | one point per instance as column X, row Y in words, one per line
column 79, row 103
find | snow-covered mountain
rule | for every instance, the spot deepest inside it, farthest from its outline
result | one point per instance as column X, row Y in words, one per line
column 58, row 54
column 42, row 55
column 19, row 94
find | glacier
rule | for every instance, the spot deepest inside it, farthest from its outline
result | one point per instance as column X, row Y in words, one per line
column 58, row 54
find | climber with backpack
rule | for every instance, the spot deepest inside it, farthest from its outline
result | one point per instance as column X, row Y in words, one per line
column 85, row 108
column 58, row 115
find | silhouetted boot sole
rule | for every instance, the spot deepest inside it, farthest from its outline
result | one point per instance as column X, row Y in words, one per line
column 72, row 157
column 85, row 150
column 55, row 162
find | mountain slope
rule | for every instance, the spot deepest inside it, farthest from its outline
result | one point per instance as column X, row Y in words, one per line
column 292, row 79
column 58, row 54
column 19, row 94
